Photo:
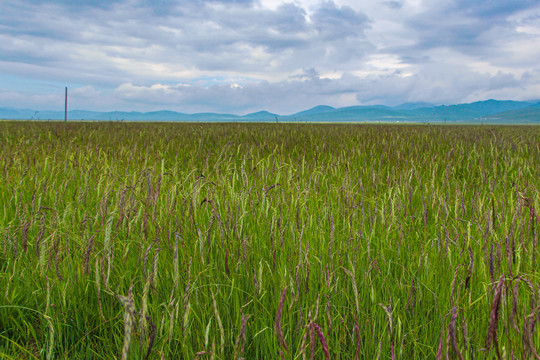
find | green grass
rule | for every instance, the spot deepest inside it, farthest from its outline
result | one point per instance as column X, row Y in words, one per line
column 386, row 241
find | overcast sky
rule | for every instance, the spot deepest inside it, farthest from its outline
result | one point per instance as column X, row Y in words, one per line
column 241, row 56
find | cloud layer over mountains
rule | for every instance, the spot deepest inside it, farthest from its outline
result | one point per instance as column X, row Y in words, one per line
column 242, row 56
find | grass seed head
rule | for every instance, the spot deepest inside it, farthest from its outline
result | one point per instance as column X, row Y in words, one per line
column 129, row 321
column 494, row 316
column 452, row 332
column 322, row 340
column 277, row 325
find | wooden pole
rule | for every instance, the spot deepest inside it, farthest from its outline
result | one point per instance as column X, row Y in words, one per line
column 65, row 106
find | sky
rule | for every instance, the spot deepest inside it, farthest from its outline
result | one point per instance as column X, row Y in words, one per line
column 242, row 56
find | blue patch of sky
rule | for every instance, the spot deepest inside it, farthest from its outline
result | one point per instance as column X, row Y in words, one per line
column 20, row 83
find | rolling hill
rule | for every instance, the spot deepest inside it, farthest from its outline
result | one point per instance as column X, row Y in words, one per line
column 489, row 111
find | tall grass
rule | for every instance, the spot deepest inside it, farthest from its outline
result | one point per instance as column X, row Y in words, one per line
column 265, row 241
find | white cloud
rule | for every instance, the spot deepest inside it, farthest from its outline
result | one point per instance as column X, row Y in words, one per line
column 283, row 56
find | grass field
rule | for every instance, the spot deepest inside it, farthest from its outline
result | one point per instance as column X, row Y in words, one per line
column 268, row 241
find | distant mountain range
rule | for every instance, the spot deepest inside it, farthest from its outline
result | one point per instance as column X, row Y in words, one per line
column 489, row 111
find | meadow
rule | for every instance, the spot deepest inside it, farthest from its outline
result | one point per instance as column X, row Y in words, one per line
column 268, row 241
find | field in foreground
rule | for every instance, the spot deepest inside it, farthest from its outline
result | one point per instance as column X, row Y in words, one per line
column 261, row 241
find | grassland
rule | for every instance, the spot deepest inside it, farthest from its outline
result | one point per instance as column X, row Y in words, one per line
column 268, row 241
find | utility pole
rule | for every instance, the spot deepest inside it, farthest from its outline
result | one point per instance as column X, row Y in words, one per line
column 65, row 107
